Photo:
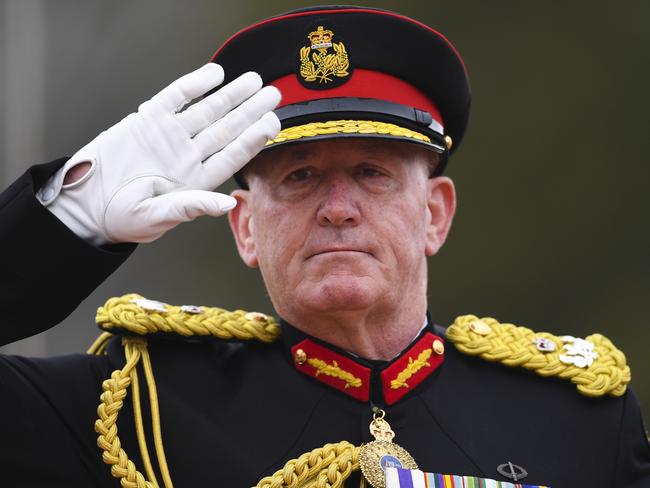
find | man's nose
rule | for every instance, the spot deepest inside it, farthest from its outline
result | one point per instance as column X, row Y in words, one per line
column 339, row 205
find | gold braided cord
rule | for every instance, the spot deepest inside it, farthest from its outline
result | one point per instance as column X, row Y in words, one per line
column 121, row 314
column 155, row 421
column 139, row 427
column 98, row 347
column 111, row 402
column 346, row 127
column 135, row 315
column 513, row 346
column 324, row 467
column 112, row 399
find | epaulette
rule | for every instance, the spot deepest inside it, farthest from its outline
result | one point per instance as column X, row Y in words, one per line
column 135, row 318
column 593, row 364
column 136, row 315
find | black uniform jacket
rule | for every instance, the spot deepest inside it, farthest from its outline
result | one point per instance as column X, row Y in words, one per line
column 232, row 413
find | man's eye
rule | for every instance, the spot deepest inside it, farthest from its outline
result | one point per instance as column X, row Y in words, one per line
column 370, row 172
column 301, row 174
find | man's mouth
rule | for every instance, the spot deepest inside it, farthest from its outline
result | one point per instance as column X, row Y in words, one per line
column 334, row 251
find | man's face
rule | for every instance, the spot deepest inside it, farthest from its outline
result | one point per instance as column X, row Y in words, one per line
column 342, row 225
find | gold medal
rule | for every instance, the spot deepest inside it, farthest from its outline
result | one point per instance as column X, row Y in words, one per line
column 382, row 452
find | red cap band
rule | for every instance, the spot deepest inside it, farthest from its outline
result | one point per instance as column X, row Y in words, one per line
column 362, row 83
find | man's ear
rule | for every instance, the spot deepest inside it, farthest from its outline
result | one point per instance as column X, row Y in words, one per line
column 441, row 205
column 241, row 224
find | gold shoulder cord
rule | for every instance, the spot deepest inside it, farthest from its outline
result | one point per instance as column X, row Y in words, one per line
column 324, row 467
column 593, row 364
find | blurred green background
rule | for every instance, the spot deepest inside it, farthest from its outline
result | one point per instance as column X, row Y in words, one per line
column 553, row 175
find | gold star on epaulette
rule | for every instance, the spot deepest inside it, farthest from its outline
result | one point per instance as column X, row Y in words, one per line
column 593, row 364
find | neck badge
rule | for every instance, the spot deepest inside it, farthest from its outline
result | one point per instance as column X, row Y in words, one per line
column 382, row 453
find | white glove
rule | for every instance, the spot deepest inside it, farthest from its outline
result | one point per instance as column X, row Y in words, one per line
column 157, row 167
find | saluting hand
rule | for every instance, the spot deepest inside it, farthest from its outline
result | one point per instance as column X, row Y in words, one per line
column 157, row 167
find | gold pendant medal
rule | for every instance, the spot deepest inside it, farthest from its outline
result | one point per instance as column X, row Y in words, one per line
column 382, row 452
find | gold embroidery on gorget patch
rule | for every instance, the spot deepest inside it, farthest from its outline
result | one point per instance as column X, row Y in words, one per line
column 335, row 371
column 412, row 368
column 323, row 65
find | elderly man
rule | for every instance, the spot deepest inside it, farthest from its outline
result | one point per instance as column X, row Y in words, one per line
column 339, row 211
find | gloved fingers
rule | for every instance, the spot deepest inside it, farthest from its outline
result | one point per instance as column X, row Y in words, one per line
column 186, row 205
column 190, row 86
column 230, row 127
column 212, row 108
column 222, row 165
column 157, row 215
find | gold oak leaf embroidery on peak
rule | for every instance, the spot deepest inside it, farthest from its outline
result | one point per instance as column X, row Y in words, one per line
column 413, row 367
column 335, row 371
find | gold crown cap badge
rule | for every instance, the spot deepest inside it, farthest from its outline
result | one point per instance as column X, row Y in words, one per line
column 318, row 63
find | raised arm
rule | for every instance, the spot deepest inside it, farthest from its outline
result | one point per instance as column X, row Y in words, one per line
column 67, row 225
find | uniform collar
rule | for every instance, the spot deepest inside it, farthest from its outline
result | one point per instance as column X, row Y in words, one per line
column 377, row 382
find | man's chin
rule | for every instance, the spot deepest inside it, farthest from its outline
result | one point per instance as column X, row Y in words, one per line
column 339, row 292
